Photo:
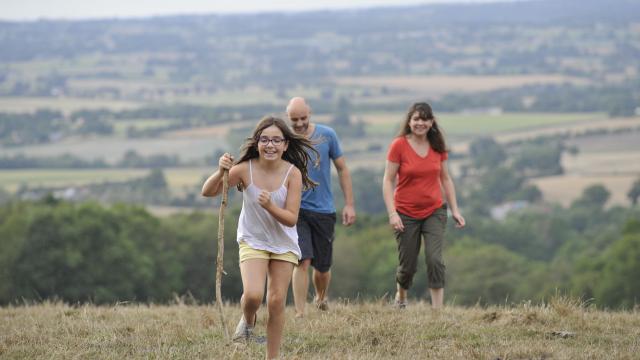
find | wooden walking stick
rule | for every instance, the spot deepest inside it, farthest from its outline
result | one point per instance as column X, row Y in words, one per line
column 219, row 269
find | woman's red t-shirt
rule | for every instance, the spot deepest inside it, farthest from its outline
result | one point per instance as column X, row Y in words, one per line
column 418, row 189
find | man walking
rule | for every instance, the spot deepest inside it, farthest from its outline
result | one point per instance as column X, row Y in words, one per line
column 317, row 216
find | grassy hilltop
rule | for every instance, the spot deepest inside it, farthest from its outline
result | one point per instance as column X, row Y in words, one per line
column 562, row 329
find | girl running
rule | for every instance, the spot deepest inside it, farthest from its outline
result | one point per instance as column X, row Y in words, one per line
column 271, row 173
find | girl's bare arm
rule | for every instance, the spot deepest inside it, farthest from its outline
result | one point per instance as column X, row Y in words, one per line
column 213, row 185
column 287, row 216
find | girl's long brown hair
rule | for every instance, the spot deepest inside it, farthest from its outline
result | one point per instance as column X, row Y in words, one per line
column 435, row 135
column 297, row 152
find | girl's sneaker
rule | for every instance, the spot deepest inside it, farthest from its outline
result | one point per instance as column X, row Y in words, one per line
column 244, row 333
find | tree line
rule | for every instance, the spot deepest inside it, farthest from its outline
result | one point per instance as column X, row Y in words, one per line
column 86, row 252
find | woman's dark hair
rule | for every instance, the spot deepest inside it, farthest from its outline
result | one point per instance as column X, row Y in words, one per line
column 435, row 136
column 296, row 153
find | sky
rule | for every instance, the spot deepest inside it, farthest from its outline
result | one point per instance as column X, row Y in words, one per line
column 18, row 10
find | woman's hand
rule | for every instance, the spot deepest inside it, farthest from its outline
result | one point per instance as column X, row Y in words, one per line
column 396, row 222
column 225, row 162
column 460, row 223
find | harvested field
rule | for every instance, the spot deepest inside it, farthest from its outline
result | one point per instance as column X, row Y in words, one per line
column 63, row 104
column 442, row 84
column 565, row 189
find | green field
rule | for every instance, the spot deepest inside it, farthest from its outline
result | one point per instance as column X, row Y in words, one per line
column 120, row 127
column 12, row 179
column 481, row 124
column 63, row 104
column 178, row 178
column 111, row 149
column 233, row 98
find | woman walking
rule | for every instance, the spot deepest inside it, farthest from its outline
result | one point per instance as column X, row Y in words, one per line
column 416, row 168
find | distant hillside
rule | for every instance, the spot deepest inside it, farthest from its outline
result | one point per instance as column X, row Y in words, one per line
column 378, row 58
column 313, row 45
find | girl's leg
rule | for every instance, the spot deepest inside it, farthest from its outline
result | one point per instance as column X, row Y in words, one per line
column 279, row 277
column 254, row 274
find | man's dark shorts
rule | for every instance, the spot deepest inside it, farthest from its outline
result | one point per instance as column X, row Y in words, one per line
column 315, row 238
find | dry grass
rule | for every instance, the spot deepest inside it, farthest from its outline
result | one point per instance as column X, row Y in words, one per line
column 347, row 331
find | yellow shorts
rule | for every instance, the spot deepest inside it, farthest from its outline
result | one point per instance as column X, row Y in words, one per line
column 246, row 253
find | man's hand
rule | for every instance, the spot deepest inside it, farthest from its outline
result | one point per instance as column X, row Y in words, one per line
column 348, row 215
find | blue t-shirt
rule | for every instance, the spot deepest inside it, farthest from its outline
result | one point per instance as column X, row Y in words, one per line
column 320, row 198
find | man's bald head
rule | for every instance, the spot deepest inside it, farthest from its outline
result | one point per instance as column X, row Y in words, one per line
column 298, row 107
column 298, row 112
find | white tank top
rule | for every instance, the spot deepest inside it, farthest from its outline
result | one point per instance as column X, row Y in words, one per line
column 259, row 229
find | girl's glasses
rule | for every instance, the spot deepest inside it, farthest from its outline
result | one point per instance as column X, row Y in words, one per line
column 265, row 140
